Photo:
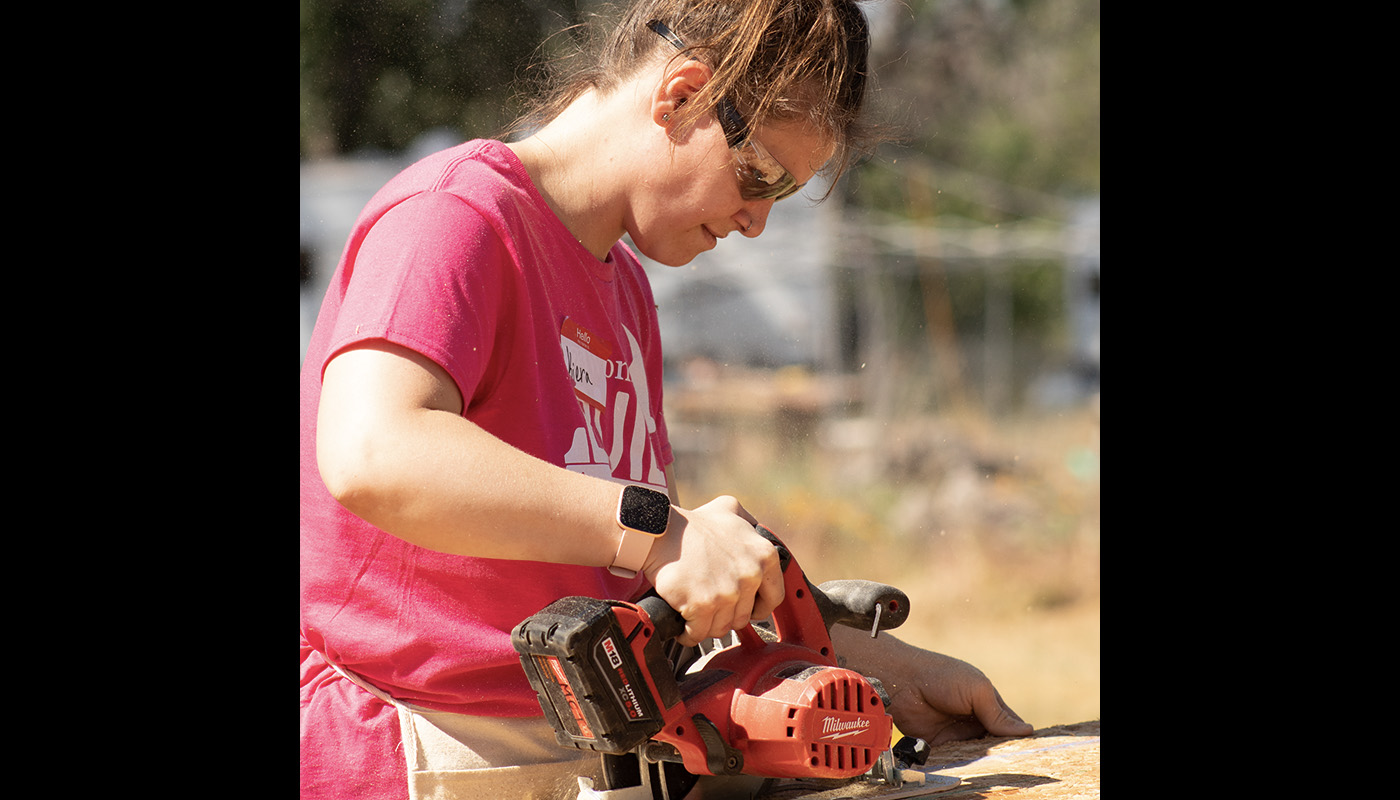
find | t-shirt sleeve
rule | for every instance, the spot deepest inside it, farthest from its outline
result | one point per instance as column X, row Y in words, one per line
column 427, row 276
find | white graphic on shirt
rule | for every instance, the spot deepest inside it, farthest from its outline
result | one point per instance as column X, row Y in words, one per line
column 590, row 452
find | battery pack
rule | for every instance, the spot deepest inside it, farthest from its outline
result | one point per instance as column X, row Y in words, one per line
column 584, row 669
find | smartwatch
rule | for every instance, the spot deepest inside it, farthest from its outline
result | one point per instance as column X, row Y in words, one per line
column 643, row 515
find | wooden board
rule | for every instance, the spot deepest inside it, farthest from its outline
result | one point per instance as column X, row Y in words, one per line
column 1058, row 763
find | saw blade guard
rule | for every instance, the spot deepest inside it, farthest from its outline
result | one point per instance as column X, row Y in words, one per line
column 777, row 703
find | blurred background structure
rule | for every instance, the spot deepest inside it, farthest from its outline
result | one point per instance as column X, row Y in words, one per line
column 903, row 381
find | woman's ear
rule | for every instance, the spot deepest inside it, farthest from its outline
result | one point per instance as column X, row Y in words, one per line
column 679, row 84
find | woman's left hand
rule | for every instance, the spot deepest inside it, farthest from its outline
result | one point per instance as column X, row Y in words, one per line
column 933, row 697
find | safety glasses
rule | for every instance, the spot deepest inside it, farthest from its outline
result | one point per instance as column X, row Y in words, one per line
column 761, row 177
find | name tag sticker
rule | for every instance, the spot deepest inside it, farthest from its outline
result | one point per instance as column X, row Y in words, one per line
column 586, row 356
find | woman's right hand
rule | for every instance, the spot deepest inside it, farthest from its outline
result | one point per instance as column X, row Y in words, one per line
column 715, row 569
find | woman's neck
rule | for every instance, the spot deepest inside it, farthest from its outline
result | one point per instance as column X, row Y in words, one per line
column 573, row 162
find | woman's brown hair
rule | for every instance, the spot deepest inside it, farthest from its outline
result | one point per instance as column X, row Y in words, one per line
column 778, row 60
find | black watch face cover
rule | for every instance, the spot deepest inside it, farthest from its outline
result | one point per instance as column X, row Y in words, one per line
column 645, row 510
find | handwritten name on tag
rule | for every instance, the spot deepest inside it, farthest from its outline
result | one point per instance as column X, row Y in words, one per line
column 586, row 356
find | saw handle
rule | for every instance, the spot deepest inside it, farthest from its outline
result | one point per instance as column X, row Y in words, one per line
column 668, row 621
column 856, row 603
column 861, row 604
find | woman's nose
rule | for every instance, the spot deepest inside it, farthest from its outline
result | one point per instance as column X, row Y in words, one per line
column 753, row 217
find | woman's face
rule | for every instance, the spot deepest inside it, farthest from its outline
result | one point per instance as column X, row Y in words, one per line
column 693, row 197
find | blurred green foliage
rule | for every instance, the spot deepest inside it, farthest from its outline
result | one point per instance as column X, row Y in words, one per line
column 1005, row 89
column 375, row 74
column 1008, row 91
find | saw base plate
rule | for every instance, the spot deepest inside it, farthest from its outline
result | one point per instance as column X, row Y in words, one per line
column 854, row 790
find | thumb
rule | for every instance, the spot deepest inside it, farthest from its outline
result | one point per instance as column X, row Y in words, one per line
column 998, row 718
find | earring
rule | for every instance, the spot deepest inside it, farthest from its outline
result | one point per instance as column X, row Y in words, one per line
column 667, row 116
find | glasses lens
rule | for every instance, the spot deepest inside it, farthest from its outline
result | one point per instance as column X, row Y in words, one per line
column 761, row 177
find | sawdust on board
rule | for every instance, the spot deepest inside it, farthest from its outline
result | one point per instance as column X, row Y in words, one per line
column 1055, row 763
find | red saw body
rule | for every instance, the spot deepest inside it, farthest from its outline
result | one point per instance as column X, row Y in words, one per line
column 776, row 704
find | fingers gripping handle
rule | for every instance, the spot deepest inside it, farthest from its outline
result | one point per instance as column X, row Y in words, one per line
column 669, row 622
column 783, row 555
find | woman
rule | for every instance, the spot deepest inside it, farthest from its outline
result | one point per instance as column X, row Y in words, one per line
column 485, row 377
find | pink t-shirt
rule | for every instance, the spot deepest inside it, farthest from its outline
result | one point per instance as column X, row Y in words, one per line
column 460, row 259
